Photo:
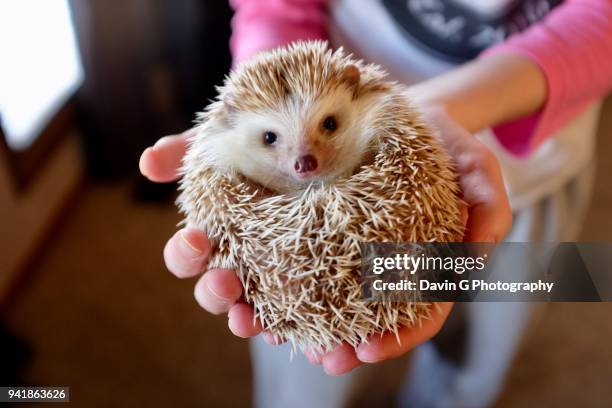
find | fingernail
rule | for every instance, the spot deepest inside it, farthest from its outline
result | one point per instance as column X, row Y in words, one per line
column 218, row 296
column 367, row 356
column 313, row 357
column 272, row 339
column 163, row 141
column 189, row 246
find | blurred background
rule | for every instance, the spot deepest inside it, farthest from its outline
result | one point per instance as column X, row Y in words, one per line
column 85, row 300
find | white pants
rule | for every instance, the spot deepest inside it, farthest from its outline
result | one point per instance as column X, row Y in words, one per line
column 491, row 334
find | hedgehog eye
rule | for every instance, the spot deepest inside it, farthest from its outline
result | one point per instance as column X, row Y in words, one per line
column 269, row 138
column 330, row 124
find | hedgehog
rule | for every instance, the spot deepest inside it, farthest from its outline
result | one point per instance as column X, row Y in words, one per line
column 305, row 154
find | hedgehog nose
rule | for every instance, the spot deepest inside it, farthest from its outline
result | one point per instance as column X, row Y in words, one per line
column 305, row 164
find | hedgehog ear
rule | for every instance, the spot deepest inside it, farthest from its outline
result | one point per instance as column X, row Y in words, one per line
column 229, row 103
column 351, row 77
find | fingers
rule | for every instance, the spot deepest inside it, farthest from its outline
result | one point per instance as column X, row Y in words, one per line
column 218, row 290
column 241, row 321
column 384, row 347
column 340, row 361
column 345, row 358
column 488, row 222
column 186, row 252
column 313, row 357
column 160, row 163
column 464, row 214
column 490, row 216
column 272, row 339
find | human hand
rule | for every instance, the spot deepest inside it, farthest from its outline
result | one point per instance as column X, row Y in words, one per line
column 489, row 216
column 488, row 219
column 345, row 358
column 186, row 253
column 219, row 291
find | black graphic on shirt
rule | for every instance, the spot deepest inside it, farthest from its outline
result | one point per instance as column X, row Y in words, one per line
column 459, row 33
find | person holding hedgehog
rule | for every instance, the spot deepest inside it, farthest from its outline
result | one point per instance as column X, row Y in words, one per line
column 525, row 76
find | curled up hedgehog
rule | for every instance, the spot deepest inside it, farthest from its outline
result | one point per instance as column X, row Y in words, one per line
column 305, row 153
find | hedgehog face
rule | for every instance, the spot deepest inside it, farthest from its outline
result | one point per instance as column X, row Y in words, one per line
column 294, row 116
column 301, row 141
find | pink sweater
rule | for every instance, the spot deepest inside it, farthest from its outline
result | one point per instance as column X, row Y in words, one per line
column 572, row 46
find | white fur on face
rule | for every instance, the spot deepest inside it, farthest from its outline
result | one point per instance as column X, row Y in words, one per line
column 298, row 127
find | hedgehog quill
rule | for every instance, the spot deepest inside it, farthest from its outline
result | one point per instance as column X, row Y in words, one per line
column 305, row 153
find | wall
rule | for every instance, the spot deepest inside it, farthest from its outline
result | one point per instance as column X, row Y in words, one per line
column 26, row 216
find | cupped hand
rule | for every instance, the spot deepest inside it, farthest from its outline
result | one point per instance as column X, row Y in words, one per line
column 488, row 219
column 345, row 358
column 186, row 254
column 219, row 290
column 489, row 216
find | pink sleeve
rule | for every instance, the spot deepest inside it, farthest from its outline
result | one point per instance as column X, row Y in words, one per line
column 264, row 24
column 573, row 48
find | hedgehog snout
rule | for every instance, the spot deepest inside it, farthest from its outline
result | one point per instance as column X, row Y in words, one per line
column 305, row 164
